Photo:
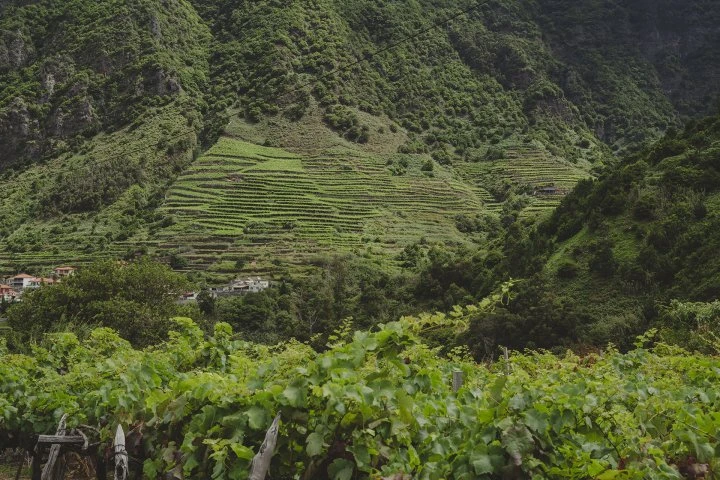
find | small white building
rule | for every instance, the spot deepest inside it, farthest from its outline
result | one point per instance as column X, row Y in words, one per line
column 249, row 285
column 37, row 282
column 187, row 297
column 241, row 286
column 21, row 281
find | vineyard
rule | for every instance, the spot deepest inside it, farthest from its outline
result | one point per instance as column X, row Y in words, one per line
column 530, row 167
column 246, row 201
column 377, row 404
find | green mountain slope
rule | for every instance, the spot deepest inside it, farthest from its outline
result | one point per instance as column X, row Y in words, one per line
column 641, row 236
column 103, row 104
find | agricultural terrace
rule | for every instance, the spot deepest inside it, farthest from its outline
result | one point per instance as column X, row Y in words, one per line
column 241, row 200
column 525, row 166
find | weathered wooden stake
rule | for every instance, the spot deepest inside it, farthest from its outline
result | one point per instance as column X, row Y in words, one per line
column 122, row 466
column 261, row 462
column 507, row 360
column 49, row 472
column 457, row 380
column 36, row 463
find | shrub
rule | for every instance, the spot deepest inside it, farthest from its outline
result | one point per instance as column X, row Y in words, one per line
column 495, row 153
column 644, row 207
column 603, row 261
column 568, row 269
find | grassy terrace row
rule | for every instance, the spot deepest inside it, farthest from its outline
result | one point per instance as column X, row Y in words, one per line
column 525, row 165
column 270, row 202
column 260, row 204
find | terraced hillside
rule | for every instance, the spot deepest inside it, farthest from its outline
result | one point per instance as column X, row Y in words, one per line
column 264, row 210
column 243, row 201
column 528, row 168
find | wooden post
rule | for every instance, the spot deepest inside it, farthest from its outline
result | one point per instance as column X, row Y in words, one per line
column 122, row 466
column 50, row 471
column 457, row 380
column 506, row 355
column 36, row 467
column 261, row 462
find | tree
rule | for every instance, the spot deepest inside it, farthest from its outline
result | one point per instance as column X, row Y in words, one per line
column 206, row 302
column 137, row 299
column 603, row 261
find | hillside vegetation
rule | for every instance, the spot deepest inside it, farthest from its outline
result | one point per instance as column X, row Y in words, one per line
column 642, row 235
column 103, row 104
column 373, row 405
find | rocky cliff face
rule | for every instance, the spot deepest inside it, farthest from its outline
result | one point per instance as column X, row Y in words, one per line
column 635, row 67
column 682, row 40
column 69, row 69
column 622, row 69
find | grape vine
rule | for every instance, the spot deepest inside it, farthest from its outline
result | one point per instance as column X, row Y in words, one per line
column 375, row 404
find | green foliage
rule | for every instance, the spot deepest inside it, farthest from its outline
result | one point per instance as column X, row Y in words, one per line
column 136, row 299
column 494, row 153
column 568, row 269
column 693, row 325
column 377, row 404
column 646, row 230
column 72, row 69
column 602, row 261
column 520, row 83
column 347, row 123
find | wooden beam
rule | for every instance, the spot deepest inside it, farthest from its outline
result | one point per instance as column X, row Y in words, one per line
column 62, row 439
column 49, row 471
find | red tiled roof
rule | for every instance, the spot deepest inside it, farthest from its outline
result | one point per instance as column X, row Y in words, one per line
column 22, row 275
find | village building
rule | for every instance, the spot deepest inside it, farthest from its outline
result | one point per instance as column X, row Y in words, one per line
column 187, row 297
column 37, row 282
column 549, row 190
column 241, row 287
column 7, row 293
column 64, row 271
column 20, row 282
column 250, row 285
column 24, row 281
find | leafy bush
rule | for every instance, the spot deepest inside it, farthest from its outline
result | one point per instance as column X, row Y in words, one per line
column 522, row 415
column 602, row 261
column 568, row 269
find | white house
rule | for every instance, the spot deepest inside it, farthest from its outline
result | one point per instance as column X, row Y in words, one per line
column 241, row 287
column 20, row 281
column 36, row 282
column 249, row 285
column 24, row 281
column 187, row 297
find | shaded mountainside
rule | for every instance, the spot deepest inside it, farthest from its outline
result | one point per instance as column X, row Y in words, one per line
column 657, row 214
column 624, row 247
column 103, row 105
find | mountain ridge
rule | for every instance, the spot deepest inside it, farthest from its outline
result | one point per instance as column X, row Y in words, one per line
column 506, row 73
